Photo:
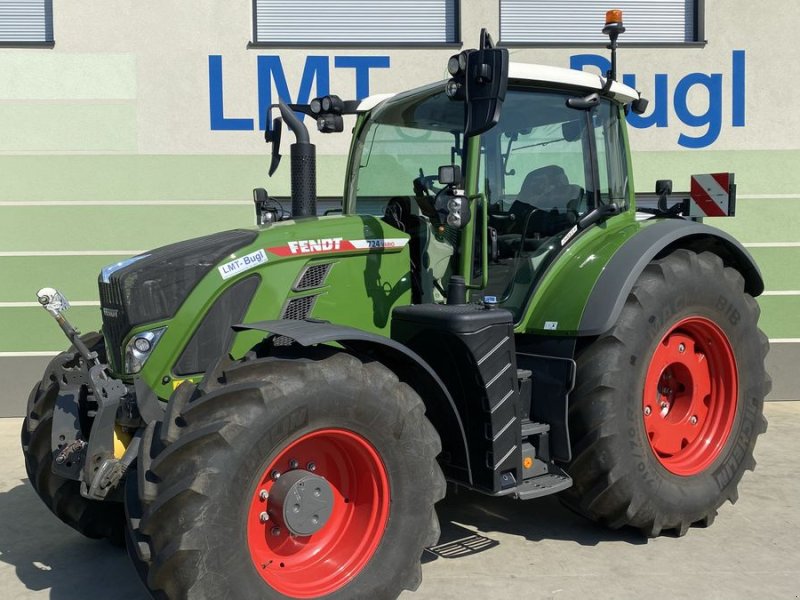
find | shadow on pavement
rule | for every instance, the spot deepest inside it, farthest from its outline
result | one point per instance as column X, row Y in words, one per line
column 463, row 512
column 46, row 554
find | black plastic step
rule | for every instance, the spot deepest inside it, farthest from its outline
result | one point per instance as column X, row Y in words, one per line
column 467, row 546
column 530, row 428
column 543, row 485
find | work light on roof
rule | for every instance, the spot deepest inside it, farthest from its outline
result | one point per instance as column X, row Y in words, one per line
column 453, row 89
column 457, row 64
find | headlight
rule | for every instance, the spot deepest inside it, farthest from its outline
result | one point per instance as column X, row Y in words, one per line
column 139, row 348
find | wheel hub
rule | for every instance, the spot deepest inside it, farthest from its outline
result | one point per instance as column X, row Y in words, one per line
column 301, row 501
column 311, row 531
column 690, row 396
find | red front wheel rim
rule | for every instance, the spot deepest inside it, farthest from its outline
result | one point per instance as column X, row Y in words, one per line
column 327, row 560
column 690, row 395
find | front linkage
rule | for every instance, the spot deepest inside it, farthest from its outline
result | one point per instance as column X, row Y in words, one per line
column 83, row 436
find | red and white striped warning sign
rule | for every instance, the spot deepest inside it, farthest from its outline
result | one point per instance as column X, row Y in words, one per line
column 712, row 195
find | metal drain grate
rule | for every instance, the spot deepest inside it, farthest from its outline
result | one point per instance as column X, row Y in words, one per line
column 467, row 546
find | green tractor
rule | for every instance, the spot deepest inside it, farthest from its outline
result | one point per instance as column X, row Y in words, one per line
column 273, row 412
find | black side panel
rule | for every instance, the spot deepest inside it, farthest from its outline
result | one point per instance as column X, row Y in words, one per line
column 611, row 290
column 214, row 335
column 550, row 360
column 472, row 350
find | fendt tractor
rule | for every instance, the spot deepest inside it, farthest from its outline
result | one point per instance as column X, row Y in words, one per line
column 274, row 411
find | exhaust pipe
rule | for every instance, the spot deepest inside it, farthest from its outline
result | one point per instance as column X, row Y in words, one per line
column 304, row 166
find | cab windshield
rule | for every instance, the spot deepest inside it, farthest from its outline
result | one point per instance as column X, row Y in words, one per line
column 408, row 137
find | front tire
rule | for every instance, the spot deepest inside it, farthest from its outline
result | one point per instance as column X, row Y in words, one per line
column 210, row 499
column 669, row 402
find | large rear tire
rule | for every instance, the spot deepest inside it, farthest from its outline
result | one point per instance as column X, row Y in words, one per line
column 92, row 518
column 212, row 483
column 669, row 402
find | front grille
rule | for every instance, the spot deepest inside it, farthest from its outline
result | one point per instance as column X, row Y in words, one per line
column 115, row 321
column 152, row 286
column 313, row 276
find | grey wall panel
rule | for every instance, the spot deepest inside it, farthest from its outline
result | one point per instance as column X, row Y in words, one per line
column 26, row 21
column 353, row 21
column 556, row 21
column 17, row 377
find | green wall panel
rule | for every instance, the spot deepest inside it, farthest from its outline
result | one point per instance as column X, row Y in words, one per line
column 780, row 267
column 779, row 316
column 75, row 276
column 153, row 177
column 33, row 330
column 762, row 220
column 133, row 178
column 53, row 127
column 113, row 227
column 757, row 171
column 232, row 177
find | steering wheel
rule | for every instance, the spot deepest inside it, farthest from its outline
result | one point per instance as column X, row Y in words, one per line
column 423, row 185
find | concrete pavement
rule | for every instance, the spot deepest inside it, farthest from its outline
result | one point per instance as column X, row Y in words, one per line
column 528, row 550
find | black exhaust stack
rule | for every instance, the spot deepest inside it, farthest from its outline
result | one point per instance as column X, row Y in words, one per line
column 304, row 163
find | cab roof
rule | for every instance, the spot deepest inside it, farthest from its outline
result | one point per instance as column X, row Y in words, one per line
column 571, row 77
column 541, row 74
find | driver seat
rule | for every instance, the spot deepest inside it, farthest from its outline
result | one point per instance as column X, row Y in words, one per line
column 548, row 188
column 553, row 199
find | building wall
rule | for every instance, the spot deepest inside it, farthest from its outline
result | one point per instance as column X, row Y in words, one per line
column 108, row 147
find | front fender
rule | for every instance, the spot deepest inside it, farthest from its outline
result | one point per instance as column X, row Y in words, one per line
column 406, row 364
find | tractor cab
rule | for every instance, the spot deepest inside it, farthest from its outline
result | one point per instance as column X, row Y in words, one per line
column 527, row 182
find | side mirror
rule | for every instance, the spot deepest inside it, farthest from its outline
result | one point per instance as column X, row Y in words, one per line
column 264, row 214
column 663, row 190
column 664, row 187
column 487, row 82
column 480, row 78
column 273, row 136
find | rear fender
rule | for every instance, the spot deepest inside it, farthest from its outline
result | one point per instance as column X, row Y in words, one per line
column 608, row 296
column 406, row 364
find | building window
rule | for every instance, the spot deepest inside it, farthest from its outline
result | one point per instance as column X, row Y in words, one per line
column 579, row 22
column 355, row 22
column 26, row 22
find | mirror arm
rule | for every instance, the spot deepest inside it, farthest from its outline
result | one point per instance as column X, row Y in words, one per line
column 598, row 214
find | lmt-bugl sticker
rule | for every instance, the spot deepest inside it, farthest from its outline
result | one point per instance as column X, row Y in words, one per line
column 243, row 263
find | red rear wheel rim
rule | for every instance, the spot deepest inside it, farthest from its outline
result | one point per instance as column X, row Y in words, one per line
column 690, row 393
column 321, row 563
